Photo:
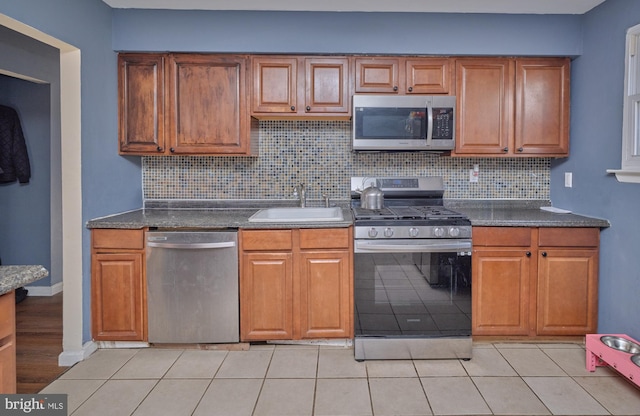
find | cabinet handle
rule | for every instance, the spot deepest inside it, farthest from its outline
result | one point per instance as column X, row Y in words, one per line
column 171, row 149
column 544, row 254
column 506, row 149
column 520, row 149
column 159, row 149
column 528, row 253
column 293, row 108
column 308, row 108
column 410, row 89
column 395, row 88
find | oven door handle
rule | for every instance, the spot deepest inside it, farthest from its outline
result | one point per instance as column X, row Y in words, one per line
column 438, row 246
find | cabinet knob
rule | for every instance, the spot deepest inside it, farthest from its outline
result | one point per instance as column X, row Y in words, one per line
column 528, row 253
column 520, row 149
column 308, row 108
column 544, row 254
column 171, row 149
column 395, row 88
column 293, row 108
column 506, row 149
column 159, row 149
column 410, row 89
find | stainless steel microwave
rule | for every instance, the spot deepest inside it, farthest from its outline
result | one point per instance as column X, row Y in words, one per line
column 403, row 122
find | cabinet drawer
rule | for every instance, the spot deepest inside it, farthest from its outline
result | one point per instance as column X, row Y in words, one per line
column 324, row 238
column 266, row 240
column 501, row 236
column 569, row 237
column 118, row 239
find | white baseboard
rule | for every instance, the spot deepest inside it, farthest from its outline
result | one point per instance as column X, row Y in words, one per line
column 69, row 358
column 44, row 290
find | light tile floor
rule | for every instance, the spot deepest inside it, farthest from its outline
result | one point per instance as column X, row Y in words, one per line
column 501, row 379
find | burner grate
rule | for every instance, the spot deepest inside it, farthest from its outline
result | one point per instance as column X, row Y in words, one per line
column 431, row 212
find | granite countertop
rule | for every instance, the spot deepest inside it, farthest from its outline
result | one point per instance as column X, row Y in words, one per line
column 506, row 213
column 219, row 215
column 13, row 277
column 200, row 217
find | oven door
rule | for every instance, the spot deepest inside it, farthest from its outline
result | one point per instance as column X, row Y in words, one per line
column 412, row 288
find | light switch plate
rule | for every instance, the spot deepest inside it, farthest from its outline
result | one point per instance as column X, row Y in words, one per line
column 568, row 179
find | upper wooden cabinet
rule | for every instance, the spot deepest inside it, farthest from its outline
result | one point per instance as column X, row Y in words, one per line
column 388, row 75
column 184, row 104
column 286, row 86
column 141, row 103
column 512, row 107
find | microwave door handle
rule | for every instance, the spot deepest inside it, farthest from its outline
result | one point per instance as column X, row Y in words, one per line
column 429, row 126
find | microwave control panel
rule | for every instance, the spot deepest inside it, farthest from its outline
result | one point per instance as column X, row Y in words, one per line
column 442, row 123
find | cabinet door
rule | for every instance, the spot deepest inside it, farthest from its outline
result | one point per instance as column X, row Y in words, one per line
column 567, row 291
column 500, row 291
column 118, row 293
column 325, row 295
column 428, row 76
column 207, row 107
column 8, row 343
column 484, row 92
column 326, row 85
column 266, row 296
column 141, row 103
column 275, row 85
column 377, row 75
column 542, row 107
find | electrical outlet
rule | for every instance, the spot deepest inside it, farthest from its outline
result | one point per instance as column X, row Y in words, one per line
column 474, row 174
column 568, row 179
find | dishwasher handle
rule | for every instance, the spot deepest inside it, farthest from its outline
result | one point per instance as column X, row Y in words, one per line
column 192, row 246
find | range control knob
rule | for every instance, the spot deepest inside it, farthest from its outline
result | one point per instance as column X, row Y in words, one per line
column 373, row 232
column 438, row 232
column 454, row 232
column 413, row 232
column 388, row 232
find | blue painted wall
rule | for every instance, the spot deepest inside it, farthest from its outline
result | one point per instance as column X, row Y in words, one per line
column 25, row 220
column 107, row 185
column 304, row 32
column 596, row 143
column 110, row 183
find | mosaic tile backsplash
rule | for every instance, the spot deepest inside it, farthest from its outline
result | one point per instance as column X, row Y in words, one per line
column 318, row 154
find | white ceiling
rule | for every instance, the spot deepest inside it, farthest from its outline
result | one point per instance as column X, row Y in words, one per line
column 435, row 6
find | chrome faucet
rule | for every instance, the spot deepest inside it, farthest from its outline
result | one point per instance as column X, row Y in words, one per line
column 301, row 193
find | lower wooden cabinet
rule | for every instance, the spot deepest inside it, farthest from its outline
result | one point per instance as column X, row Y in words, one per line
column 118, row 287
column 296, row 284
column 535, row 281
column 8, row 343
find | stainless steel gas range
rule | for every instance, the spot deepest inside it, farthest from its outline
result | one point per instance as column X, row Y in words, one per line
column 412, row 268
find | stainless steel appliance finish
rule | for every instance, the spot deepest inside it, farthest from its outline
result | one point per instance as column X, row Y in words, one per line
column 403, row 122
column 412, row 267
column 192, row 287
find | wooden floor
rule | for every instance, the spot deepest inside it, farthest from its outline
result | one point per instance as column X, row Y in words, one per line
column 38, row 342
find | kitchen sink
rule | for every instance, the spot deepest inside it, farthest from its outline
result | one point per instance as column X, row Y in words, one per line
column 294, row 214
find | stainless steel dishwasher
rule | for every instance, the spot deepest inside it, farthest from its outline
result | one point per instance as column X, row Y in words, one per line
column 192, row 287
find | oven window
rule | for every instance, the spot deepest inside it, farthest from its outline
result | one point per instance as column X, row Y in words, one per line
column 412, row 294
column 390, row 123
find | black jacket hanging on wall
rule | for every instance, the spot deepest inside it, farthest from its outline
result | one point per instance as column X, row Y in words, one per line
column 14, row 160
